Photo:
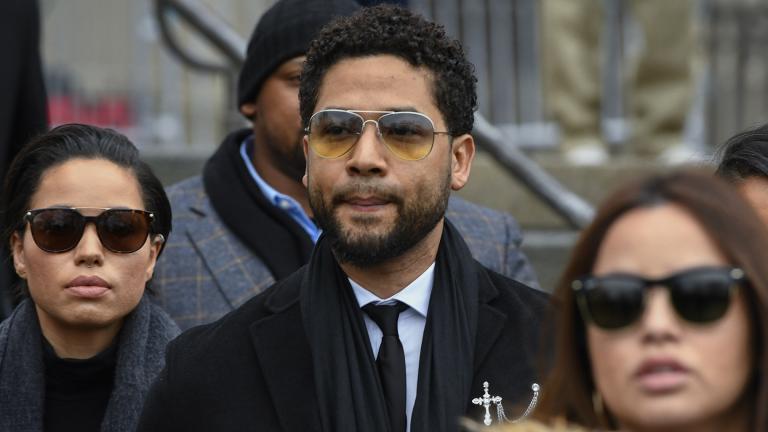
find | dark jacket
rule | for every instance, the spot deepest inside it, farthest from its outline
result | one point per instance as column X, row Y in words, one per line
column 252, row 370
column 23, row 108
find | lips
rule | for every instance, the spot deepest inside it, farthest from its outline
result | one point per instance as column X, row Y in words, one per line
column 661, row 375
column 364, row 202
column 369, row 203
column 88, row 287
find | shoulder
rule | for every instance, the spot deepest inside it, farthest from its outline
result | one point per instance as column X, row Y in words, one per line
column 214, row 344
column 188, row 192
column 20, row 326
column 475, row 219
column 458, row 206
column 205, row 359
column 192, row 210
column 24, row 311
column 518, row 296
column 218, row 368
column 5, row 327
column 493, row 237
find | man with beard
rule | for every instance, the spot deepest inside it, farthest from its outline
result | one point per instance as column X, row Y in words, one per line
column 392, row 326
column 246, row 222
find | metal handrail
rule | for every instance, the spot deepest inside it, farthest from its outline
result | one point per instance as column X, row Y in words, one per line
column 575, row 210
column 216, row 30
column 571, row 207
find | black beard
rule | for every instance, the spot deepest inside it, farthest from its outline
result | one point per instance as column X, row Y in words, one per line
column 414, row 221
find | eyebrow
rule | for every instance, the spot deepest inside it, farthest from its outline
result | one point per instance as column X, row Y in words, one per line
column 393, row 109
column 69, row 206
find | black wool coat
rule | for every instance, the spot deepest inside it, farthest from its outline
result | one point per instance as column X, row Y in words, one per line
column 252, row 370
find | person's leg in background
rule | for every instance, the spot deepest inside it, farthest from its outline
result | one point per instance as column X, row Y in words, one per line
column 571, row 45
column 661, row 83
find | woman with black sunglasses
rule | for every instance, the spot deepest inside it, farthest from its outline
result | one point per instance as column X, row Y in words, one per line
column 662, row 313
column 85, row 220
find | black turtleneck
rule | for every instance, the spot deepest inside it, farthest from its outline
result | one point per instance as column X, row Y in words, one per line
column 77, row 391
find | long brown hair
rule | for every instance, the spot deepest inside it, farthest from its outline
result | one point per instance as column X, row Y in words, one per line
column 736, row 230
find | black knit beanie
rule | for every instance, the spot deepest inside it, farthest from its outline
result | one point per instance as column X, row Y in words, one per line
column 282, row 33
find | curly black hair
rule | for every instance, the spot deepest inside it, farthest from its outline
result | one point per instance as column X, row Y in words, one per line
column 392, row 30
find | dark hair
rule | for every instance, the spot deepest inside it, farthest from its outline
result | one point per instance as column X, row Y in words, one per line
column 396, row 31
column 72, row 141
column 744, row 155
column 733, row 226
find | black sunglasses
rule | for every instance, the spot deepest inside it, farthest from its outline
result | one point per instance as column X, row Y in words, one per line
column 60, row 229
column 699, row 295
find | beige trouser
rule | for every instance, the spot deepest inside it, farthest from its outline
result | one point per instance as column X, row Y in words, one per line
column 658, row 84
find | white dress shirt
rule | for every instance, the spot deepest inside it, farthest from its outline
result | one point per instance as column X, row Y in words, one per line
column 410, row 327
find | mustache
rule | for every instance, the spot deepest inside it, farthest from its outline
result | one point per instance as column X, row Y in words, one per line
column 384, row 192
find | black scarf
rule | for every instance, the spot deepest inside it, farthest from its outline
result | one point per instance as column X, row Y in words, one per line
column 140, row 356
column 269, row 232
column 348, row 388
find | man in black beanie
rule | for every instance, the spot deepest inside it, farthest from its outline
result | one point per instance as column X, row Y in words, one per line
column 246, row 222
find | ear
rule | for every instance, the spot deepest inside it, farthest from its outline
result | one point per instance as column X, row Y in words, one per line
column 462, row 155
column 17, row 250
column 249, row 110
column 155, row 247
column 305, row 146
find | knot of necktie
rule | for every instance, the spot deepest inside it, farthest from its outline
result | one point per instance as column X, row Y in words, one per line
column 385, row 316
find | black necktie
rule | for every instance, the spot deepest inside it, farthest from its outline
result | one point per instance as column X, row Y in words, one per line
column 391, row 361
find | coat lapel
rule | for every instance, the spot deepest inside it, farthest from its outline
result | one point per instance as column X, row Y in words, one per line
column 286, row 361
column 503, row 353
column 490, row 322
column 236, row 271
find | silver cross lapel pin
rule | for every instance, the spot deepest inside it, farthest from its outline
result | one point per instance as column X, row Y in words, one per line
column 485, row 401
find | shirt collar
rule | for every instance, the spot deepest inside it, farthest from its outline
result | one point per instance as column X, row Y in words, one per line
column 416, row 295
column 271, row 193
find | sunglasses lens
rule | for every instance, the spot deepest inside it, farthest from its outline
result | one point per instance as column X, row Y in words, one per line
column 702, row 296
column 333, row 133
column 408, row 135
column 614, row 302
column 123, row 231
column 56, row 230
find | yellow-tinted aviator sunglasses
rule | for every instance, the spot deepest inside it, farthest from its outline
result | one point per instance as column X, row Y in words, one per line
column 409, row 135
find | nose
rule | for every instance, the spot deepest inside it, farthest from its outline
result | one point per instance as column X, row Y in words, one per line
column 89, row 251
column 659, row 321
column 368, row 157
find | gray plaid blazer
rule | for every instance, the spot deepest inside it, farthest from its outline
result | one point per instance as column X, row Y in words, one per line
column 205, row 271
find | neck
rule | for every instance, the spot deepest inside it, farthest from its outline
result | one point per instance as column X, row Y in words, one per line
column 390, row 277
column 76, row 342
column 285, row 184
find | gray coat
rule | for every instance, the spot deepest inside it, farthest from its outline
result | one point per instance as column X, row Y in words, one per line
column 205, row 271
column 140, row 357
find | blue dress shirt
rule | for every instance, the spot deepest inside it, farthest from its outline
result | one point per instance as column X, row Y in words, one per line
column 410, row 326
column 281, row 201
